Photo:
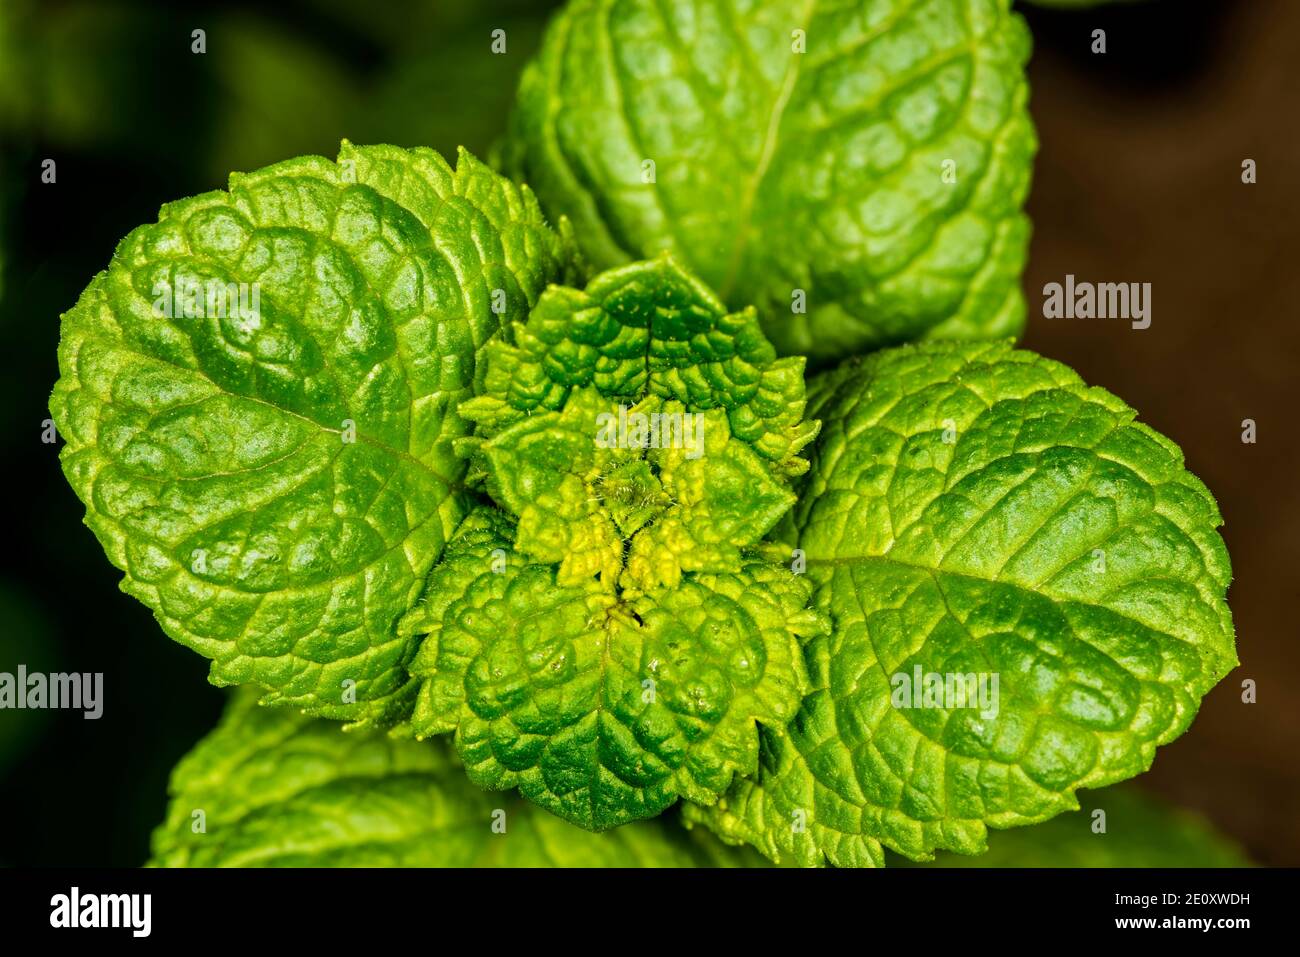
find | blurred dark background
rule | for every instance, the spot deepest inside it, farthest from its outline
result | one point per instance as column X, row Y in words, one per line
column 1138, row 179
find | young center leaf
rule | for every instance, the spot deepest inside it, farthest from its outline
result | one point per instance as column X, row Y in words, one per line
column 259, row 398
column 1026, row 590
column 856, row 171
column 607, row 641
column 639, row 430
column 272, row 788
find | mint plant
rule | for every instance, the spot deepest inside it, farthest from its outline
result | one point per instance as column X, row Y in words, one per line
column 392, row 448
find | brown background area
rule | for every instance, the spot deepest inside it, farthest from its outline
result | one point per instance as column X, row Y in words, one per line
column 1138, row 179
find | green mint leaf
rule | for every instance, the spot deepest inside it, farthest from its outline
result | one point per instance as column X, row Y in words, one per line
column 976, row 510
column 259, row 399
column 603, row 709
column 270, row 787
column 857, row 173
column 1135, row 831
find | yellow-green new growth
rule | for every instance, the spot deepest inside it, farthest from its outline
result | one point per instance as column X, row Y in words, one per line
column 610, row 645
column 637, row 430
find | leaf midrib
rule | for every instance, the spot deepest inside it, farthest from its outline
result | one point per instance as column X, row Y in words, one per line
column 766, row 154
column 138, row 356
column 849, row 560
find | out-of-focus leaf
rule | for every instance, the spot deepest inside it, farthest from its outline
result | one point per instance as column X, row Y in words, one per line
column 1139, row 831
